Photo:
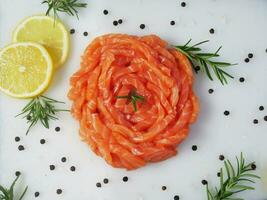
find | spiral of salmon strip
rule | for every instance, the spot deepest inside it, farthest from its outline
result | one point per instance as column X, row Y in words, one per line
column 111, row 66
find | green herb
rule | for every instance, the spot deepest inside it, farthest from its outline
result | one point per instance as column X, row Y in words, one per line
column 67, row 6
column 8, row 194
column 237, row 180
column 204, row 62
column 40, row 109
column 133, row 97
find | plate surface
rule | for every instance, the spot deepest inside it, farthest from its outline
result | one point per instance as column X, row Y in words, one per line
column 240, row 26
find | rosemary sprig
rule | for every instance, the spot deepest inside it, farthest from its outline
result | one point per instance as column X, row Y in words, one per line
column 237, row 180
column 40, row 109
column 203, row 61
column 67, row 6
column 8, row 193
column 133, row 97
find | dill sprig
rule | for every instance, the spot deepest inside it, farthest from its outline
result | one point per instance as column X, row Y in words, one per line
column 133, row 97
column 41, row 109
column 204, row 61
column 237, row 180
column 8, row 193
column 67, row 6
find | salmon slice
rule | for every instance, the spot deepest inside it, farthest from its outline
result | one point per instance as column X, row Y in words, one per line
column 114, row 65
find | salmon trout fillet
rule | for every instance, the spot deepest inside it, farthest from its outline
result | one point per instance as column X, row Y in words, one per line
column 111, row 66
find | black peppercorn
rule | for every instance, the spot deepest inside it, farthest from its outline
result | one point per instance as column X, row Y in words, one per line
column 72, row 31
column 115, row 23
column 52, row 167
column 59, row 191
column 265, row 118
column 17, row 139
column 250, row 55
column 255, row 121
column 183, row 4
column 221, row 157
column 57, row 129
column 219, row 174
column 63, row 159
column 125, row 179
column 120, row 21
column 176, row 197
column 85, row 33
column 28, row 117
column 246, row 60
column 42, row 141
column 212, row 31
column 17, row 173
column 72, row 168
column 98, row 184
column 36, row 194
column 21, row 148
column 194, row 147
column 204, row 182
column 163, row 187
column 105, row 12
column 211, row 91
column 226, row 112
column 172, row 22
column 253, row 166
column 261, row 108
column 241, row 79
column 105, row 181
column 142, row 26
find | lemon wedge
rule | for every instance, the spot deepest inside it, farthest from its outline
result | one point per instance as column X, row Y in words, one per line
column 47, row 32
column 26, row 69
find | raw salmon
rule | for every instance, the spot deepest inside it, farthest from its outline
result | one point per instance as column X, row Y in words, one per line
column 112, row 65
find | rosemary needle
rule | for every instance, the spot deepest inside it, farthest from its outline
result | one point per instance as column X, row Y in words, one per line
column 41, row 109
column 8, row 193
column 66, row 6
column 205, row 62
column 237, row 180
column 133, row 97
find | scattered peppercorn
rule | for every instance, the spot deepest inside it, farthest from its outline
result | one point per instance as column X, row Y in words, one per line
column 246, row 60
column 221, row 157
column 183, row 4
column 142, row 26
column 261, row 108
column 17, row 173
column 105, row 181
column 212, row 31
column 17, row 139
column 211, row 91
column 52, row 167
column 120, row 21
column 194, row 147
column 72, row 168
column 21, row 148
column 226, row 112
column 266, row 50
column 241, row 79
column 42, row 141
column 85, row 33
column 172, row 23
column 29, row 118
column 105, row 12
column 36, row 194
column 197, row 68
column 125, row 179
column 63, row 159
column 265, row 118
column 98, row 184
column 255, row 121
column 176, row 197
column 57, row 129
column 204, row 182
column 250, row 55
column 253, row 166
column 59, row 191
column 163, row 187
column 115, row 23
column 219, row 174
column 72, row 31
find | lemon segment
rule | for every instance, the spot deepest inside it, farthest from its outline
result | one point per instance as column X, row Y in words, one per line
column 26, row 69
column 44, row 30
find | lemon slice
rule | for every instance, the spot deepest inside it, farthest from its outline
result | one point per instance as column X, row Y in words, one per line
column 26, row 69
column 47, row 32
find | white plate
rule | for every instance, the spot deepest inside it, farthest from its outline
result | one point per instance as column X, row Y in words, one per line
column 240, row 26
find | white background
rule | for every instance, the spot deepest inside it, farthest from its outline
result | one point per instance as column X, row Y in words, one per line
column 240, row 26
